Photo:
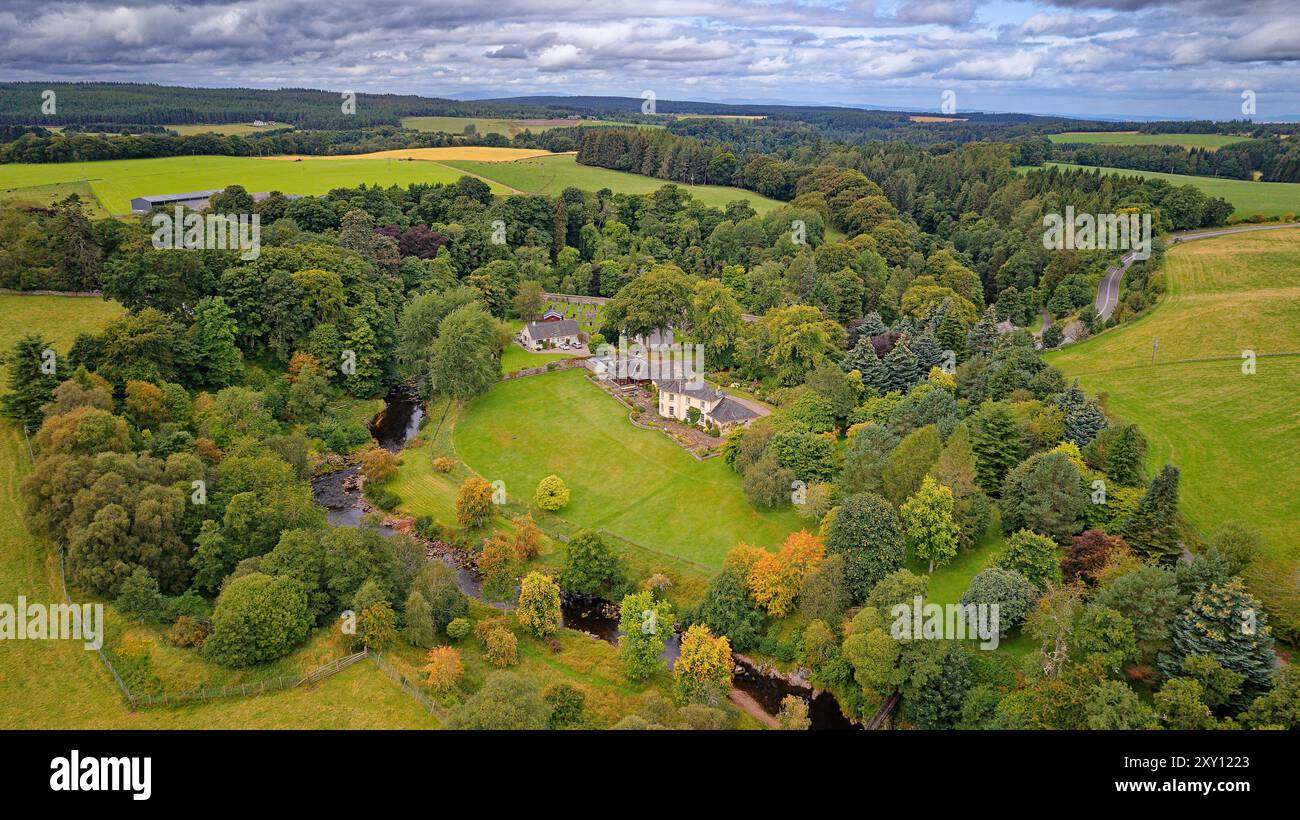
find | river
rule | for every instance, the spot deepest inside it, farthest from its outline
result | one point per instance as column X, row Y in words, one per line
column 399, row 422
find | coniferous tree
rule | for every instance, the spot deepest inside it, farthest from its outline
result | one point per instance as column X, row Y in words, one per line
column 863, row 359
column 927, row 351
column 983, row 337
column 30, row 385
column 951, row 334
column 1083, row 419
column 1125, row 455
column 872, row 325
column 902, row 367
column 998, row 445
column 1152, row 528
column 1226, row 623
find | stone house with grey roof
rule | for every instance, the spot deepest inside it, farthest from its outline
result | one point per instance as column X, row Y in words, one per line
column 538, row 335
column 678, row 396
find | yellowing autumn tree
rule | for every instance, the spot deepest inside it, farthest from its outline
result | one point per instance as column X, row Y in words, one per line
column 742, row 558
column 539, row 604
column 775, row 579
column 443, row 668
column 474, row 502
column 378, row 464
column 528, row 537
column 703, row 669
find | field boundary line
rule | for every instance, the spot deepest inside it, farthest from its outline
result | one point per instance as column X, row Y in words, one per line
column 1197, row 360
column 430, row 705
column 203, row 693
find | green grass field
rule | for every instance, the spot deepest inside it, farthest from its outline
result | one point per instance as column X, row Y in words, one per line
column 1235, row 437
column 635, row 483
column 46, row 195
column 515, row 358
column 1249, row 198
column 230, row 129
column 551, row 175
column 115, row 182
column 57, row 318
column 1119, row 138
column 495, row 125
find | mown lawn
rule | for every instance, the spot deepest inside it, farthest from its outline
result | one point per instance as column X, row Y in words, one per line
column 636, row 483
column 515, row 358
column 1236, row 437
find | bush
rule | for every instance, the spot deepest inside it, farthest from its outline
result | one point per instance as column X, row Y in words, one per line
column 382, row 497
column 258, row 618
column 442, row 464
column 506, row 701
column 567, row 705
column 341, row 437
column 378, row 465
column 187, row 632
column 140, row 598
column 444, row 668
column 552, row 494
column 459, row 628
column 1009, row 590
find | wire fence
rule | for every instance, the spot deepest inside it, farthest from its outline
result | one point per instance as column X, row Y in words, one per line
column 206, row 693
column 407, row 685
column 244, row 690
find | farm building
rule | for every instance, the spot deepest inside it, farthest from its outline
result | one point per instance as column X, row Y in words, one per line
column 629, row 369
column 537, row 335
column 194, row 200
column 678, row 396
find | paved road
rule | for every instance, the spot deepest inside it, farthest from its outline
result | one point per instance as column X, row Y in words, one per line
column 1188, row 236
column 1108, row 289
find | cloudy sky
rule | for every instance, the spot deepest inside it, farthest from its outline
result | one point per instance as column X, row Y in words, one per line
column 1145, row 58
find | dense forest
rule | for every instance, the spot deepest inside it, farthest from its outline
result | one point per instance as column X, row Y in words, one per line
column 1273, row 159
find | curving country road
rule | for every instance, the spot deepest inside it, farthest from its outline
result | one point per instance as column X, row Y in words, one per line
column 1108, row 288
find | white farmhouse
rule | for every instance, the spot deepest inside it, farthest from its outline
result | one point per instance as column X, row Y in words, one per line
column 678, row 396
